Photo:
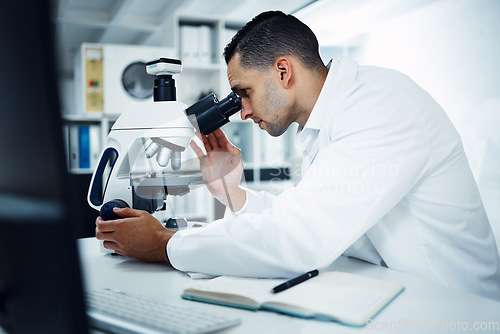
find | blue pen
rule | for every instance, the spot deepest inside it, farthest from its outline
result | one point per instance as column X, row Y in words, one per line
column 295, row 281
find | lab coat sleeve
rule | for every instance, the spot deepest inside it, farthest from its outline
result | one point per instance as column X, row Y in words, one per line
column 256, row 202
column 377, row 157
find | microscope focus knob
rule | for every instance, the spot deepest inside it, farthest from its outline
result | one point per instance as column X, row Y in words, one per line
column 174, row 223
column 106, row 211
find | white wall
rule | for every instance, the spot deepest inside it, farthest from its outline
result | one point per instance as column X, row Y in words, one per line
column 452, row 49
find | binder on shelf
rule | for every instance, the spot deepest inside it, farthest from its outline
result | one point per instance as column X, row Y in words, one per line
column 74, row 154
column 95, row 145
column 83, row 143
column 204, row 44
column 196, row 43
column 67, row 150
column 189, row 44
column 84, row 146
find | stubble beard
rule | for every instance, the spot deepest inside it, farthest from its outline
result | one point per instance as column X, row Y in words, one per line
column 278, row 109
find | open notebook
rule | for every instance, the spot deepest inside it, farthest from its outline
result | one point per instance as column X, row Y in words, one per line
column 333, row 296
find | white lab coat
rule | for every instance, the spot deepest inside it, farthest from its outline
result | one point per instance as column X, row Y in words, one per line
column 385, row 179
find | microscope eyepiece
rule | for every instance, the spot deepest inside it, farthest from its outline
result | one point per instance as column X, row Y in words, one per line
column 208, row 114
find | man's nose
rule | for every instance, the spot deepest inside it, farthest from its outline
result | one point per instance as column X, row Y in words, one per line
column 246, row 111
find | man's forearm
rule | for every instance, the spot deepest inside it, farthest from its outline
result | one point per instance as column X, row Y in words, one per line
column 236, row 199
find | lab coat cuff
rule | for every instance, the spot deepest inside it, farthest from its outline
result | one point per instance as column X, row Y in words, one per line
column 233, row 214
column 183, row 247
column 176, row 245
column 255, row 203
column 173, row 251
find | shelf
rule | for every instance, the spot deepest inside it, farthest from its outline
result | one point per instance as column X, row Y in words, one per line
column 82, row 118
column 80, row 171
column 97, row 118
column 202, row 68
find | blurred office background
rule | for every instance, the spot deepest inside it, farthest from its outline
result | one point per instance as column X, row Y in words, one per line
column 449, row 47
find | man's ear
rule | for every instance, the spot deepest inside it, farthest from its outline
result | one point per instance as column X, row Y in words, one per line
column 284, row 67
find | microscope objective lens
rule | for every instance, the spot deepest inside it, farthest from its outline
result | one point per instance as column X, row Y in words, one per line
column 163, row 156
column 151, row 150
column 176, row 160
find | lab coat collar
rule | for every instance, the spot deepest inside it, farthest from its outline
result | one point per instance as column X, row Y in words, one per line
column 338, row 70
column 319, row 110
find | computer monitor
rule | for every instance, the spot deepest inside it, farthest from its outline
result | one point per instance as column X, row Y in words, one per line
column 40, row 279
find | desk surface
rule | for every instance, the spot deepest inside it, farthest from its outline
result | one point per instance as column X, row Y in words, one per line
column 423, row 306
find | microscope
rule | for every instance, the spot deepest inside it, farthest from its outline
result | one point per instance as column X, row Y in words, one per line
column 142, row 162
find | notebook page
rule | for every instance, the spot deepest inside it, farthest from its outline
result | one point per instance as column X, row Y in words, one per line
column 258, row 289
column 345, row 297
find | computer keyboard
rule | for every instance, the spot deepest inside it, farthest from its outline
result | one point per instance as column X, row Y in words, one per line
column 123, row 312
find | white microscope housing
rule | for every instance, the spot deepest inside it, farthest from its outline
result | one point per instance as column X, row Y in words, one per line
column 142, row 162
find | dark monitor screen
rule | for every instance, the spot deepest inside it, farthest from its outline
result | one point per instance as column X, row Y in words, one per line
column 40, row 281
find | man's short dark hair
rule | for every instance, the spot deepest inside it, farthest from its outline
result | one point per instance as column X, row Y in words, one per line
column 270, row 35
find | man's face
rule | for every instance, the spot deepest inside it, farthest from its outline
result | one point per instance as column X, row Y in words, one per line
column 262, row 97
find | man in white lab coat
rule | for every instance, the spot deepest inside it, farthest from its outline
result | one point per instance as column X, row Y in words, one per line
column 385, row 178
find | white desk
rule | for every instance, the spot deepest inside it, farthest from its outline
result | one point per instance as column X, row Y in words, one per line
column 423, row 306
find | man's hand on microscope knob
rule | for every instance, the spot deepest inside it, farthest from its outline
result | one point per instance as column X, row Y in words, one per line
column 135, row 234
